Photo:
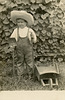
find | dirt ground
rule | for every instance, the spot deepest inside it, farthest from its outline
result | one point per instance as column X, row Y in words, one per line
column 11, row 83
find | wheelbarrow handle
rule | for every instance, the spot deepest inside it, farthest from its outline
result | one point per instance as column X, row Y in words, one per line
column 13, row 64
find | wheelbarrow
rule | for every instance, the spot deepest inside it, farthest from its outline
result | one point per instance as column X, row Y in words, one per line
column 47, row 74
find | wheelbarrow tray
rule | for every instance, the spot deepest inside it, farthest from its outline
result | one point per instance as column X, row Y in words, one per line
column 46, row 71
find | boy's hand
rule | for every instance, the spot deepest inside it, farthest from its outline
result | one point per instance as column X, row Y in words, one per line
column 12, row 45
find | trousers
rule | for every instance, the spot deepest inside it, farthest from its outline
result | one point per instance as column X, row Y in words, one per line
column 25, row 55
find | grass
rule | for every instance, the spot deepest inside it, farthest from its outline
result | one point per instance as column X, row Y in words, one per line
column 8, row 82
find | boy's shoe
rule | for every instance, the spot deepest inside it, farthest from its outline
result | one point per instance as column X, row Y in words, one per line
column 33, row 78
column 25, row 77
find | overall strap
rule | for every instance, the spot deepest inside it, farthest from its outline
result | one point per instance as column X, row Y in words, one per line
column 17, row 34
column 28, row 32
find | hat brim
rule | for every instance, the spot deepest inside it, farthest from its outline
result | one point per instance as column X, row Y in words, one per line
column 23, row 15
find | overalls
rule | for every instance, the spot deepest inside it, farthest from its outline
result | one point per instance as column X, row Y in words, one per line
column 25, row 55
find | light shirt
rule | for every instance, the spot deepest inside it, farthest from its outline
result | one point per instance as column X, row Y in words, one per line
column 23, row 33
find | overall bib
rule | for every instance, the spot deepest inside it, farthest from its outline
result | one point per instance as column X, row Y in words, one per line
column 25, row 55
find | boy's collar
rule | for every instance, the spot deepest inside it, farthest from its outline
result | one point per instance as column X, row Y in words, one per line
column 24, row 28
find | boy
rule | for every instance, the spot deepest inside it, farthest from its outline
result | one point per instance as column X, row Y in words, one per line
column 23, row 36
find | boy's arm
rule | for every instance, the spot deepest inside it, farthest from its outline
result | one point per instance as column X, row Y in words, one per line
column 33, row 36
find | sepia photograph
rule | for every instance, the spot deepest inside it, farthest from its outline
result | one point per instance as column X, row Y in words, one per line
column 32, row 45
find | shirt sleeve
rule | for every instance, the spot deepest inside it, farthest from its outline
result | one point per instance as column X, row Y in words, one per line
column 33, row 35
column 14, row 34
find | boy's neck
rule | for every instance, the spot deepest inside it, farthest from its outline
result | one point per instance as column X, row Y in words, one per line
column 22, row 27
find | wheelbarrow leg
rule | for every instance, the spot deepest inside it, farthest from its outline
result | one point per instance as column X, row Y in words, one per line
column 51, row 83
column 42, row 82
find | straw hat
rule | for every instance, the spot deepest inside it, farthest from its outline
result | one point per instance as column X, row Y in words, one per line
column 23, row 15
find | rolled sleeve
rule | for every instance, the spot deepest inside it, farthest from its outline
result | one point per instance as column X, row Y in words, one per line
column 14, row 34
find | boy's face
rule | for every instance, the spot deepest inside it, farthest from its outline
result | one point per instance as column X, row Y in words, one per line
column 21, row 23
